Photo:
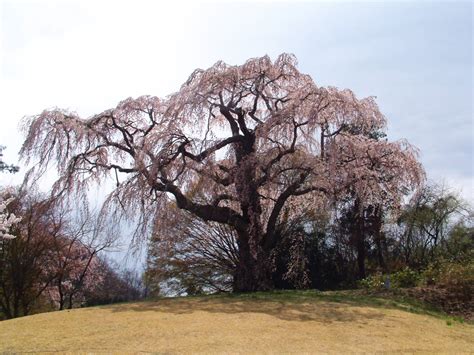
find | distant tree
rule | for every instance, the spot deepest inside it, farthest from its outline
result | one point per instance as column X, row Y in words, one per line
column 6, row 167
column 52, row 258
column 25, row 265
column 116, row 284
column 433, row 223
column 459, row 246
column 187, row 255
column 6, row 219
column 75, row 259
column 256, row 139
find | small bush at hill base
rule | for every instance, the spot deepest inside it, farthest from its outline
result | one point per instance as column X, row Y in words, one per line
column 400, row 279
column 456, row 278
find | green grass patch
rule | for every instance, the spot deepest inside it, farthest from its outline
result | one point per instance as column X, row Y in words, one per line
column 363, row 298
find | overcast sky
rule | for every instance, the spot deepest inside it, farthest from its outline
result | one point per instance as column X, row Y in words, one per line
column 416, row 57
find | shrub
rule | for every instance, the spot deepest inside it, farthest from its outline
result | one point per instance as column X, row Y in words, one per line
column 372, row 282
column 400, row 279
column 405, row 278
column 456, row 278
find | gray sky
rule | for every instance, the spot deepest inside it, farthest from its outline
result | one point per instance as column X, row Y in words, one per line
column 416, row 57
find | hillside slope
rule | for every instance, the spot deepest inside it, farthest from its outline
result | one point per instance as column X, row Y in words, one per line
column 285, row 322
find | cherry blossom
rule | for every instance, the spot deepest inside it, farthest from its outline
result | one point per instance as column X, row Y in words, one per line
column 7, row 220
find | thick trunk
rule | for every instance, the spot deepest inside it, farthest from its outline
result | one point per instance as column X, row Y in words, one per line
column 253, row 273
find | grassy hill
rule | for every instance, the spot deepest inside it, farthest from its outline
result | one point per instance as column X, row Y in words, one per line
column 303, row 321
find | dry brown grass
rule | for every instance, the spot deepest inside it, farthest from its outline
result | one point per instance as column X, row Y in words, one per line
column 235, row 325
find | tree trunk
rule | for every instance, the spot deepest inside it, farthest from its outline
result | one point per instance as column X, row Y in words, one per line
column 380, row 250
column 61, row 297
column 253, row 271
column 71, row 297
column 358, row 237
column 379, row 239
column 361, row 256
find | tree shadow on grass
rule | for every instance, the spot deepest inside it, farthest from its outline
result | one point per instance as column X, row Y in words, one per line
column 293, row 308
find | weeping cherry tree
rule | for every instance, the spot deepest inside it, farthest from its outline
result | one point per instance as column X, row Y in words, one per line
column 236, row 145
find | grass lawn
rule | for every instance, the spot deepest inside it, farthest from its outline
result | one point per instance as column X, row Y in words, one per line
column 276, row 322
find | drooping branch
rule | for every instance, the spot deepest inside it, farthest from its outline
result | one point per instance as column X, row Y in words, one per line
column 278, row 206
